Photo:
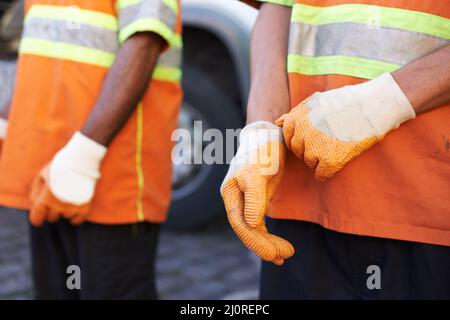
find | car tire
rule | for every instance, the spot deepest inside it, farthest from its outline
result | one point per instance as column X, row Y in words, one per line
column 199, row 201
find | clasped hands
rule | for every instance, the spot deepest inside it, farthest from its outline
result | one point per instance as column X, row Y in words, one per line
column 326, row 131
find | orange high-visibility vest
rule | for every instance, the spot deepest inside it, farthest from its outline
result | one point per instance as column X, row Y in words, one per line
column 66, row 50
column 400, row 188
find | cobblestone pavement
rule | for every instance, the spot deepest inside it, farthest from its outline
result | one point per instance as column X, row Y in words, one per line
column 15, row 282
column 209, row 263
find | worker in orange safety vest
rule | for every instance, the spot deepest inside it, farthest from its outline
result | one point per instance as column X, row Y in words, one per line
column 88, row 148
column 350, row 101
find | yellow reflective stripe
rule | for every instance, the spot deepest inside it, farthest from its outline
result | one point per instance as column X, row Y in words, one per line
column 345, row 65
column 74, row 15
column 139, row 169
column 61, row 50
column 167, row 74
column 154, row 25
column 125, row 3
column 373, row 16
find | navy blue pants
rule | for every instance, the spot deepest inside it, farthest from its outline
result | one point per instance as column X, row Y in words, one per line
column 333, row 265
column 116, row 262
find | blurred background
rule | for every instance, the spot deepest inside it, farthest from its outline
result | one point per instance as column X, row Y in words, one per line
column 199, row 256
column 203, row 263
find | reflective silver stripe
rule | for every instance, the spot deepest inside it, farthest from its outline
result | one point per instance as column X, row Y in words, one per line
column 360, row 40
column 148, row 9
column 7, row 80
column 83, row 35
column 171, row 58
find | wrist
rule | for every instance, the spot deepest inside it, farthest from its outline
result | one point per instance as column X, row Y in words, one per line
column 252, row 137
column 82, row 154
column 267, row 109
column 75, row 169
column 415, row 97
column 383, row 102
column 259, row 133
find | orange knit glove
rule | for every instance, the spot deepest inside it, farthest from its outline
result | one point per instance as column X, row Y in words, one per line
column 66, row 186
column 46, row 207
column 250, row 185
column 331, row 128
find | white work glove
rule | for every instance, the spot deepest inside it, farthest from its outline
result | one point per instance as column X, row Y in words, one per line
column 66, row 186
column 249, row 186
column 331, row 128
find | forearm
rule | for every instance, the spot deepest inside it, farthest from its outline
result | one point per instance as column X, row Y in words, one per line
column 252, row 3
column 426, row 81
column 124, row 87
column 269, row 91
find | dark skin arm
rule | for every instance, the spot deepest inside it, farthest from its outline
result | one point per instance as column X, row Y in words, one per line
column 269, row 91
column 252, row 3
column 124, row 86
column 426, row 81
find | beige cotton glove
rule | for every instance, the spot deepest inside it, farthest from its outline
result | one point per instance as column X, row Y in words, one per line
column 250, row 185
column 66, row 186
column 331, row 128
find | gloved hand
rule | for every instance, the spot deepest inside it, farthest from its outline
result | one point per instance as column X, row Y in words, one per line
column 249, row 186
column 331, row 128
column 3, row 128
column 66, row 186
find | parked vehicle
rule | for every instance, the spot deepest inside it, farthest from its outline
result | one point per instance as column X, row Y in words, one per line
column 11, row 16
column 215, row 82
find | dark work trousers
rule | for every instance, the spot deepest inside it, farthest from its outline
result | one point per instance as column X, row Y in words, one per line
column 114, row 261
column 333, row 265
